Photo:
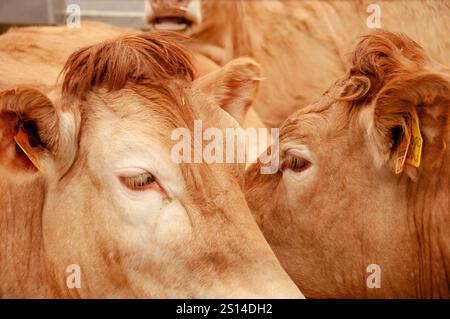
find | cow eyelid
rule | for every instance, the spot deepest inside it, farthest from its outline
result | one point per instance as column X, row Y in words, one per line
column 139, row 182
column 295, row 163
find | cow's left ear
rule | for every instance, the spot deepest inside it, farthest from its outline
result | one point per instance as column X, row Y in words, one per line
column 411, row 121
column 234, row 86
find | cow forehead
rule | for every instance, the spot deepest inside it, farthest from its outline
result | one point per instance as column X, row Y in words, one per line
column 130, row 121
column 137, row 103
column 136, row 121
column 313, row 122
column 170, row 108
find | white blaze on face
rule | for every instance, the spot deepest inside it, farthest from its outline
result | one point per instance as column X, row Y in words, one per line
column 150, row 207
column 152, row 218
column 173, row 225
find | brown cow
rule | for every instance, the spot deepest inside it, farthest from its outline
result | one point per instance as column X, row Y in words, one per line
column 301, row 45
column 355, row 191
column 110, row 199
column 43, row 50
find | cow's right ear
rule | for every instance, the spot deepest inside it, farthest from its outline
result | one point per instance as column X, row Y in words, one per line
column 234, row 86
column 34, row 135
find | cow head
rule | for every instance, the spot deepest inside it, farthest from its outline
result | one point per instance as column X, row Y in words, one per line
column 345, row 199
column 137, row 223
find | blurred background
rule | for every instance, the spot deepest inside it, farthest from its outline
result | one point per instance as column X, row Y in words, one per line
column 52, row 12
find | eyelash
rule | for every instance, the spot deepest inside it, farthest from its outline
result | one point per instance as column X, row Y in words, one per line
column 295, row 164
column 140, row 182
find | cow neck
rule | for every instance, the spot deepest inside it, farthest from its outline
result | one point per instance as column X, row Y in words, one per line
column 22, row 264
column 429, row 217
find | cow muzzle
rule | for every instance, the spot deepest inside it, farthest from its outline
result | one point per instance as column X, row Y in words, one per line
column 173, row 15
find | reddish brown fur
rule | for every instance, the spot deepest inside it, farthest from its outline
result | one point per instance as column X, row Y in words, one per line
column 377, row 57
column 399, row 77
column 149, row 57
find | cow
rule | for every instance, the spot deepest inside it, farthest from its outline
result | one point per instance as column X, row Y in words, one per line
column 301, row 45
column 89, row 187
column 360, row 205
column 43, row 50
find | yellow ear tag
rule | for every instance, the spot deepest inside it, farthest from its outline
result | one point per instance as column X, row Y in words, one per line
column 415, row 150
column 402, row 152
column 23, row 141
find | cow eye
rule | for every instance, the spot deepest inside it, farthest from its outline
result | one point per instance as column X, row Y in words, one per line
column 295, row 163
column 139, row 182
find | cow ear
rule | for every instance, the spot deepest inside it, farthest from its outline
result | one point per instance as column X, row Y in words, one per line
column 234, row 86
column 411, row 121
column 31, row 135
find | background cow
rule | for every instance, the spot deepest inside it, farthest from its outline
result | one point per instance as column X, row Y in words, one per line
column 301, row 45
column 34, row 56
column 346, row 196
column 110, row 199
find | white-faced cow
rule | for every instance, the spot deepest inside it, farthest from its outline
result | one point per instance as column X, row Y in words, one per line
column 109, row 199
